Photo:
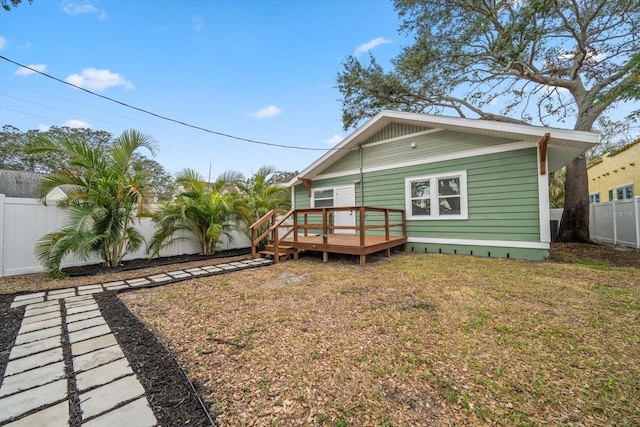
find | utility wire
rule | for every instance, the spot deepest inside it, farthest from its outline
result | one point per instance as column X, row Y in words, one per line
column 142, row 110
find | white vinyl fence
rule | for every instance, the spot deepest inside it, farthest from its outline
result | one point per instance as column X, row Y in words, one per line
column 24, row 221
column 616, row 222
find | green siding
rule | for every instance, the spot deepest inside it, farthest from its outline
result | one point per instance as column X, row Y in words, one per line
column 502, row 196
column 485, row 251
column 426, row 147
column 394, row 130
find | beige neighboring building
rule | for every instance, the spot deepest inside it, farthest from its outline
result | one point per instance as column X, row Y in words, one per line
column 617, row 176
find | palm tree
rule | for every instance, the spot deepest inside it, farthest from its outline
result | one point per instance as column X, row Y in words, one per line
column 262, row 195
column 106, row 193
column 204, row 210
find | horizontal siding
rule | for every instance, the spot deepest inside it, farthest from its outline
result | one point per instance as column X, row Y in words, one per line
column 502, row 195
column 348, row 163
column 426, row 147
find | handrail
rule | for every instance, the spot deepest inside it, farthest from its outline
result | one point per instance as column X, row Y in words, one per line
column 271, row 230
column 325, row 225
column 266, row 217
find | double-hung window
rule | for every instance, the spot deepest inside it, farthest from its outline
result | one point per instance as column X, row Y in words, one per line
column 625, row 192
column 441, row 196
column 323, row 198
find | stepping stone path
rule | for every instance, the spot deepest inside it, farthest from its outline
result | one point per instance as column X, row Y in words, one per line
column 34, row 388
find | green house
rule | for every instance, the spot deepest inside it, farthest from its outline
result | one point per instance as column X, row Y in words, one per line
column 467, row 186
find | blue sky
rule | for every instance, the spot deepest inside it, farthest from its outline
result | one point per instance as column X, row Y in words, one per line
column 258, row 69
column 262, row 70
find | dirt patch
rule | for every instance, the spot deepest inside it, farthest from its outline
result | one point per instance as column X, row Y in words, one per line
column 616, row 256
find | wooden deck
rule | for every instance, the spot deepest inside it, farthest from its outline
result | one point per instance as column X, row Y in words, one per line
column 346, row 244
column 314, row 230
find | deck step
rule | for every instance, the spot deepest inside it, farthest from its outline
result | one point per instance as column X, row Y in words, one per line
column 282, row 256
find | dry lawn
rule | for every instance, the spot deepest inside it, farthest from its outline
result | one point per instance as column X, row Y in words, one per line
column 418, row 339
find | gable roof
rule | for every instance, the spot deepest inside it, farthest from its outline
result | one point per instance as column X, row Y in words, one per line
column 20, row 184
column 563, row 146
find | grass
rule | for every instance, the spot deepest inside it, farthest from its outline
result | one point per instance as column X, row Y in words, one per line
column 420, row 339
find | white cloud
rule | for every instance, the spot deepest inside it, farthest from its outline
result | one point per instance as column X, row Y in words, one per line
column 43, row 128
column 82, row 8
column 366, row 47
column 3, row 43
column 334, row 139
column 94, row 79
column 26, row 71
column 267, row 112
column 76, row 124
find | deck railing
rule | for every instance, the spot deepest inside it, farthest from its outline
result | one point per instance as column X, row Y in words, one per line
column 321, row 221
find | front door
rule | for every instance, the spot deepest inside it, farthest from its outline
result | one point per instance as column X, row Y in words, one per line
column 345, row 196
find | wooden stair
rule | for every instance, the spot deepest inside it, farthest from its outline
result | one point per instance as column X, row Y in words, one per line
column 283, row 252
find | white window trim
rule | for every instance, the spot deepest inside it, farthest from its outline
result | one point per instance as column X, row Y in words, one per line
column 435, row 216
column 313, row 195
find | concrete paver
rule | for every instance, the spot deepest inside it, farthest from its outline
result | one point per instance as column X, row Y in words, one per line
column 82, row 308
column 85, row 334
column 32, row 311
column 41, row 317
column 43, row 324
column 87, row 323
column 28, row 296
column 103, row 374
column 83, row 316
column 34, row 347
column 103, row 398
column 53, row 416
column 16, row 304
column 134, row 414
column 35, row 377
column 38, row 335
column 92, row 344
column 35, row 380
column 25, row 401
column 96, row 358
column 34, row 361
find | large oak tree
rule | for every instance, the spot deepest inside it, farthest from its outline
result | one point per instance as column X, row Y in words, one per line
column 544, row 61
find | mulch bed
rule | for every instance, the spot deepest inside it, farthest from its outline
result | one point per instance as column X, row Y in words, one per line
column 172, row 396
column 142, row 263
column 10, row 321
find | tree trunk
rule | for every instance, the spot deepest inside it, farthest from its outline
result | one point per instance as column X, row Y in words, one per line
column 574, row 226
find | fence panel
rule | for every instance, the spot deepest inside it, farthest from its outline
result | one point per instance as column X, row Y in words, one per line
column 24, row 221
column 616, row 222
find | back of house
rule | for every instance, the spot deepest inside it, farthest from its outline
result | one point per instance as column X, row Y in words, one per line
column 467, row 186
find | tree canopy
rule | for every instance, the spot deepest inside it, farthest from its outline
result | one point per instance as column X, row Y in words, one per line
column 16, row 154
column 543, row 61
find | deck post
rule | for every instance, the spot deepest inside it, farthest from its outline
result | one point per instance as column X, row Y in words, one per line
column 363, row 259
column 386, row 224
column 253, row 243
column 325, row 256
column 361, row 209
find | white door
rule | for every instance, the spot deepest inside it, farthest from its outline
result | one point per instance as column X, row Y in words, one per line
column 344, row 196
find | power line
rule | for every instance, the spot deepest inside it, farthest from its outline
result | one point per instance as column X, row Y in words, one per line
column 142, row 110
